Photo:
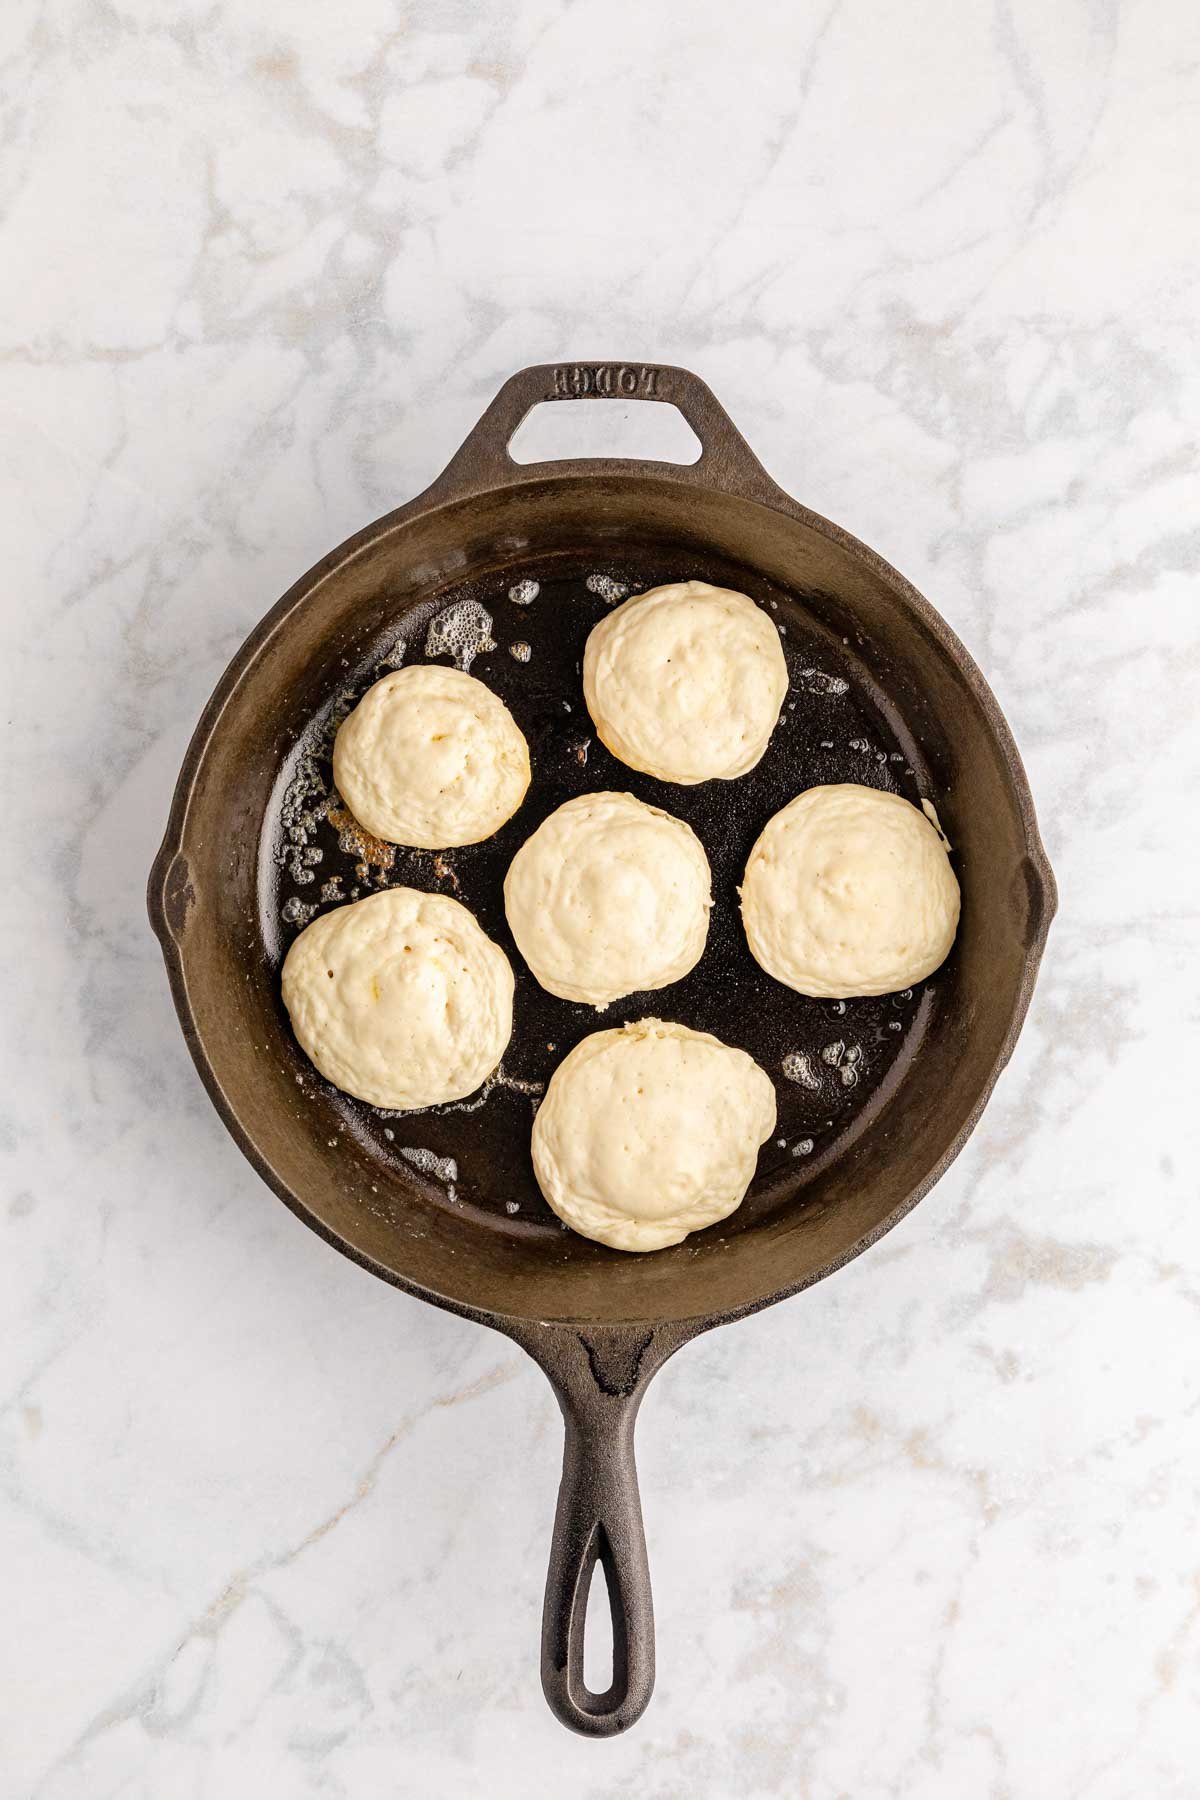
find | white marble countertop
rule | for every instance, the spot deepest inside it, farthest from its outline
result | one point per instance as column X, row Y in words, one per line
column 268, row 1528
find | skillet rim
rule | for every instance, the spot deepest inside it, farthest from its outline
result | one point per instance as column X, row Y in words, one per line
column 168, row 894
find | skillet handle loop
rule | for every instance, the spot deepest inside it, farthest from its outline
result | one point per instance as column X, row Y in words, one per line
column 726, row 462
column 599, row 1377
column 599, row 1519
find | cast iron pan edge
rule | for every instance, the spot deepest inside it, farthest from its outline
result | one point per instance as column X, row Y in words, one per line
column 599, row 1376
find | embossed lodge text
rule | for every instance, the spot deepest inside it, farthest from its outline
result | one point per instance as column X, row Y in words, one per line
column 576, row 380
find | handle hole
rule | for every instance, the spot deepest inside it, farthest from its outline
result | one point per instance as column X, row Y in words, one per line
column 598, row 1633
column 593, row 1650
column 558, row 429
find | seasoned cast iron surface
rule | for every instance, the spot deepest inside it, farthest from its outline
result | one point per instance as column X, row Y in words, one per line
column 833, row 1062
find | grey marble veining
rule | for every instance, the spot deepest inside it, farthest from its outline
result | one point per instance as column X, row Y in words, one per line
column 269, row 1528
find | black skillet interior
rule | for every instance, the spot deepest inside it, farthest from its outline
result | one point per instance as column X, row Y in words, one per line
column 834, row 1063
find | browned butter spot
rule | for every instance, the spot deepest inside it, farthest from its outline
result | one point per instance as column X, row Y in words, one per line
column 352, row 837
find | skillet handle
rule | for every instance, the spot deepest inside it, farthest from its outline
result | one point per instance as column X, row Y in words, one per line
column 599, row 1518
column 726, row 461
column 599, row 1379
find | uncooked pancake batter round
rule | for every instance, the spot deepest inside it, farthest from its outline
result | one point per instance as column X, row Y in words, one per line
column 400, row 999
column 430, row 757
column 649, row 1132
column 848, row 892
column 686, row 681
column 609, row 897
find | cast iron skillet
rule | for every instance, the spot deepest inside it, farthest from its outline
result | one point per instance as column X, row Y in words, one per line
column 876, row 1096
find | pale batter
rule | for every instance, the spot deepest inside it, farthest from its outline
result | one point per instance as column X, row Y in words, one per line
column 400, row 999
column 849, row 891
column 649, row 1132
column 609, row 897
column 430, row 757
column 685, row 682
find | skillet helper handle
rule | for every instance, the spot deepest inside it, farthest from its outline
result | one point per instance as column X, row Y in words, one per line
column 726, row 461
